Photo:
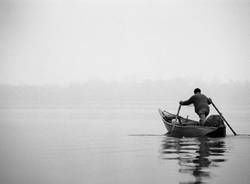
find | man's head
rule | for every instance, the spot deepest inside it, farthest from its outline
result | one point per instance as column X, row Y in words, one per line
column 197, row 90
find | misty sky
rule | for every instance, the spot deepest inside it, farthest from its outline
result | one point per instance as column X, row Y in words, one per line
column 58, row 42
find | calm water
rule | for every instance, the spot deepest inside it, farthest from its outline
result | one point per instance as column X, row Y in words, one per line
column 116, row 144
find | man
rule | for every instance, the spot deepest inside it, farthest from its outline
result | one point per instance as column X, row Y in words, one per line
column 201, row 104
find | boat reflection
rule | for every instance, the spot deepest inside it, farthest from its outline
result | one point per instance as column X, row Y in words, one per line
column 196, row 156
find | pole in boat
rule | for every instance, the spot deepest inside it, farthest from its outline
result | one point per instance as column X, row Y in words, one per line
column 224, row 119
column 176, row 118
column 178, row 113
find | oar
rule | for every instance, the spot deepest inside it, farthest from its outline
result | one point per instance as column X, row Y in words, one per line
column 176, row 118
column 224, row 119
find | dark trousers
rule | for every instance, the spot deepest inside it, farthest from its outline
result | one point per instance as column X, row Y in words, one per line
column 203, row 113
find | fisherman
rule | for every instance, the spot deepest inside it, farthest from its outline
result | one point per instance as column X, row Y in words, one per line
column 201, row 104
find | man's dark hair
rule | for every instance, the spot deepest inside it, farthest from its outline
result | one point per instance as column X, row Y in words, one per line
column 197, row 90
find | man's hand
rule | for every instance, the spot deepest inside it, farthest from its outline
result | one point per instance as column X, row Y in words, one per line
column 181, row 102
column 209, row 100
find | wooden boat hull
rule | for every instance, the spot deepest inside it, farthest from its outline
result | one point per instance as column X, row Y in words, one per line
column 190, row 128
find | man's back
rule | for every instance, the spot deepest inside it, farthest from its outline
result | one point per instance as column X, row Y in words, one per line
column 199, row 100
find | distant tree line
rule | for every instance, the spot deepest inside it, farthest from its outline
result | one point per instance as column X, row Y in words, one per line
column 84, row 94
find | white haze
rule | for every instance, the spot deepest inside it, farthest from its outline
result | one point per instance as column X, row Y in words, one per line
column 60, row 42
column 122, row 94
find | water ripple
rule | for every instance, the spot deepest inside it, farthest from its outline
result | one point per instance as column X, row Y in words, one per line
column 195, row 156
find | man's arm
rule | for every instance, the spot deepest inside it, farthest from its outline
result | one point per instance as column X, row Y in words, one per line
column 187, row 102
column 209, row 101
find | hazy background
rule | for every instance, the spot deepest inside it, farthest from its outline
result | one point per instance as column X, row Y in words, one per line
column 62, row 42
column 91, row 94
column 66, row 53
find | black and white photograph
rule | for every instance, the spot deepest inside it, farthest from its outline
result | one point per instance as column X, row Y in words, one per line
column 124, row 91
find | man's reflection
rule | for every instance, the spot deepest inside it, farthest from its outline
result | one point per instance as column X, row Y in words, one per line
column 195, row 155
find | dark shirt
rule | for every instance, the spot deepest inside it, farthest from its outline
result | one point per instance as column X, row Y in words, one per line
column 200, row 102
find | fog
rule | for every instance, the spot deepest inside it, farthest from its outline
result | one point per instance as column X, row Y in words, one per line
column 62, row 42
column 87, row 95
column 67, row 53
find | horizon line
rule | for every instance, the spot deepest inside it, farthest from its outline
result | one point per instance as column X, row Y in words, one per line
column 129, row 81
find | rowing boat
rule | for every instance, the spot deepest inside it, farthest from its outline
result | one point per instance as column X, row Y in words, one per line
column 184, row 127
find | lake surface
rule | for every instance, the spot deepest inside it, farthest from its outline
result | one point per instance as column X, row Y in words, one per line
column 117, row 143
